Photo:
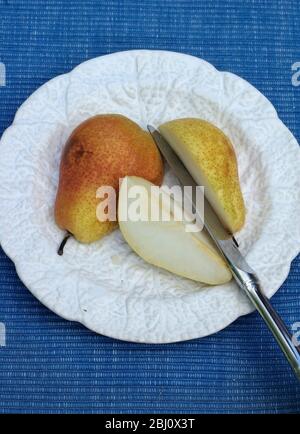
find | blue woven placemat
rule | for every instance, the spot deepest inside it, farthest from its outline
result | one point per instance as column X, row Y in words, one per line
column 50, row 365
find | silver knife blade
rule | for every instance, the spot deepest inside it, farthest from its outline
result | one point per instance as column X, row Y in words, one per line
column 222, row 238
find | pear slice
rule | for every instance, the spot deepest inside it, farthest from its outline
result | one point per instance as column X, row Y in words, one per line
column 167, row 244
column 210, row 158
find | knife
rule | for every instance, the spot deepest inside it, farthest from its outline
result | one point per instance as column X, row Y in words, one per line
column 243, row 274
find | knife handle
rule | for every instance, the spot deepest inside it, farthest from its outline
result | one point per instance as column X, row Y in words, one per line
column 250, row 284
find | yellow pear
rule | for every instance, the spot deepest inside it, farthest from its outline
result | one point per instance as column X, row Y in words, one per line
column 165, row 242
column 99, row 152
column 209, row 156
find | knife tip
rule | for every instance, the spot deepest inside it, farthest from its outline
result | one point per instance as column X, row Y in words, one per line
column 151, row 129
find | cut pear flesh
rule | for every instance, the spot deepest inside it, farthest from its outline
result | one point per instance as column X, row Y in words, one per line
column 167, row 244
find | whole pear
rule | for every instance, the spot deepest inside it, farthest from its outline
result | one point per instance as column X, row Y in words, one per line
column 99, row 152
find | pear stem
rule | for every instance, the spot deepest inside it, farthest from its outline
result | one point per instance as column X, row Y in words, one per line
column 60, row 250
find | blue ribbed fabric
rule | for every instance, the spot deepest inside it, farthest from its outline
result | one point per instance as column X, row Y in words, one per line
column 50, row 365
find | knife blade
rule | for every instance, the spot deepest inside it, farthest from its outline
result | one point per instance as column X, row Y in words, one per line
column 243, row 274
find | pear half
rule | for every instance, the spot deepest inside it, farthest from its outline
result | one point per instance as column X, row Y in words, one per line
column 167, row 244
column 210, row 158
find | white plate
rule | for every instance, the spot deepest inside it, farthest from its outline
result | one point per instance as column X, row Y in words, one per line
column 105, row 285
